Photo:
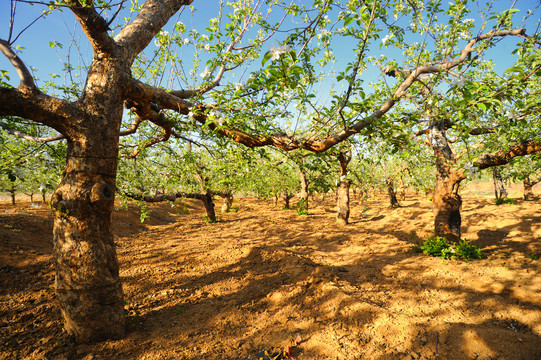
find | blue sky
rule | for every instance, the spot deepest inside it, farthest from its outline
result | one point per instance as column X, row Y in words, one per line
column 61, row 27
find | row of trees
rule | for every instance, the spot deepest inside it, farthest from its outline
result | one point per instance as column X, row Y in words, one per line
column 263, row 74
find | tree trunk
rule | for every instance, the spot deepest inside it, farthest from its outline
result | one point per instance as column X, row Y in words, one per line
column 227, row 202
column 43, row 197
column 12, row 193
column 446, row 202
column 402, row 190
column 304, row 190
column 342, row 189
column 342, row 213
column 528, row 187
column 392, row 193
column 499, row 188
column 286, row 197
column 87, row 275
column 209, row 206
column 446, row 205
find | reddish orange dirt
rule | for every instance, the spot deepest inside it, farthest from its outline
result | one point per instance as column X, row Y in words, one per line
column 263, row 276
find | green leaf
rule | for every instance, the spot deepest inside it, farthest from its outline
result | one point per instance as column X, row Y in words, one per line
column 482, row 106
column 348, row 20
column 266, row 58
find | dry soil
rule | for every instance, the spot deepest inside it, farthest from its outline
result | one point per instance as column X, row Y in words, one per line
column 262, row 277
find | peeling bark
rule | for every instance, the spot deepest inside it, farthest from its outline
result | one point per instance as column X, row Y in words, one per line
column 342, row 189
column 342, row 213
column 528, row 187
column 499, row 187
column 304, row 189
column 392, row 193
column 446, row 201
column 227, row 202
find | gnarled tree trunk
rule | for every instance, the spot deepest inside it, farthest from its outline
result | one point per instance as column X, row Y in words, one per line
column 209, row 206
column 499, row 187
column 87, row 275
column 342, row 213
column 342, row 190
column 392, row 193
column 304, row 189
column 446, row 201
column 227, row 202
column 528, row 187
column 446, row 205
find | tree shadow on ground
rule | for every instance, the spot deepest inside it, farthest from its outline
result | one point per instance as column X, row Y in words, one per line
column 231, row 289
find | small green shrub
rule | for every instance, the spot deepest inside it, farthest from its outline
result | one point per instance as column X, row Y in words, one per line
column 434, row 246
column 467, row 251
column 500, row 201
column 302, row 208
column 145, row 212
column 439, row 247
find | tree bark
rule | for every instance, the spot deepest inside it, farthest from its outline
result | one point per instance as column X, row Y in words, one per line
column 12, row 193
column 446, row 201
column 528, row 187
column 227, row 201
column 392, row 193
column 209, row 207
column 499, row 187
column 87, row 275
column 286, row 196
column 446, row 205
column 342, row 189
column 304, row 189
column 342, row 213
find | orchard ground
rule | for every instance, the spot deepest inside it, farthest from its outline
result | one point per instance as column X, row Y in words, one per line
column 263, row 276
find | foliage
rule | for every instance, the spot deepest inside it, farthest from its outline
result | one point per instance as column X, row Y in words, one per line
column 439, row 247
column 301, row 207
column 500, row 201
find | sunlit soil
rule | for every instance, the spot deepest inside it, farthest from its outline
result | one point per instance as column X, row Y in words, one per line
column 262, row 275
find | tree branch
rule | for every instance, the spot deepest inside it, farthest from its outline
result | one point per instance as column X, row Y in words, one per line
column 153, row 16
column 27, row 81
column 502, row 157
column 95, row 27
column 31, row 138
column 38, row 107
column 143, row 92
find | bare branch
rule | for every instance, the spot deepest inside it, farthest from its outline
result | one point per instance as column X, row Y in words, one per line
column 150, row 112
column 133, row 127
column 95, row 27
column 27, row 81
column 31, row 138
column 38, row 107
column 154, row 14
